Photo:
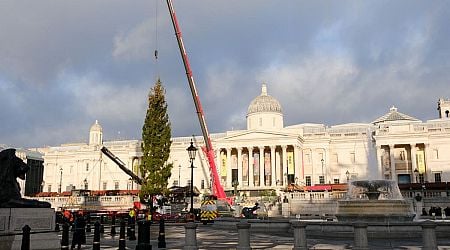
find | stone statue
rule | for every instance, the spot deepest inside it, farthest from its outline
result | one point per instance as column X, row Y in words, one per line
column 12, row 167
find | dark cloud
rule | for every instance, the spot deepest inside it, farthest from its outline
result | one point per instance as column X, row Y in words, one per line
column 65, row 64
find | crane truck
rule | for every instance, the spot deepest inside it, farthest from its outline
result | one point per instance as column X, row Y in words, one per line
column 209, row 205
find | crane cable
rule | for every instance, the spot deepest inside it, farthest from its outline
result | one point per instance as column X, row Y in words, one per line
column 156, row 40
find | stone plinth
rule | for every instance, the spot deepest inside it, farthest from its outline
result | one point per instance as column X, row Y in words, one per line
column 12, row 220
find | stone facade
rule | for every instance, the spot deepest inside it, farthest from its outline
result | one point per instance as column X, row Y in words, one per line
column 269, row 155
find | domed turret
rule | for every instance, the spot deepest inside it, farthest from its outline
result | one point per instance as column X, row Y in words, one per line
column 96, row 134
column 264, row 112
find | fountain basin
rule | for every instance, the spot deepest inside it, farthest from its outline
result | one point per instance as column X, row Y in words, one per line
column 374, row 201
column 374, row 211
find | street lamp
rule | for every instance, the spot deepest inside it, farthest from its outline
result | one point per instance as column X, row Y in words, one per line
column 324, row 181
column 179, row 176
column 60, row 180
column 416, row 174
column 348, row 175
column 192, row 151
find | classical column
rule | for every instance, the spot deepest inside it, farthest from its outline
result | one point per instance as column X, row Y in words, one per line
column 218, row 165
column 284, row 164
column 427, row 153
column 261, row 166
column 379, row 162
column 413, row 158
column 273, row 180
column 298, row 166
column 250, row 167
column 392, row 161
column 239, row 166
column 229, row 175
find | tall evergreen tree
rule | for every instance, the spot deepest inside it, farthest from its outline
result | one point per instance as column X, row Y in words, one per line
column 156, row 135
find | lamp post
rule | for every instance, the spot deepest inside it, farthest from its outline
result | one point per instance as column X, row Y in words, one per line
column 192, row 151
column 324, row 181
column 60, row 180
column 348, row 175
column 179, row 176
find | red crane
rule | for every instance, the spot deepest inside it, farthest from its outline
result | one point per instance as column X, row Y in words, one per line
column 217, row 188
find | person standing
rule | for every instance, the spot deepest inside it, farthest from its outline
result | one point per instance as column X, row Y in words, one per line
column 79, row 235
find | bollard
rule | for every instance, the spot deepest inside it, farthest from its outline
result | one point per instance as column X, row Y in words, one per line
column 243, row 235
column 65, row 237
column 299, row 235
column 143, row 236
column 96, row 241
column 191, row 236
column 132, row 231
column 26, row 237
column 429, row 235
column 113, row 225
column 122, row 241
column 360, row 230
column 162, row 234
column 88, row 223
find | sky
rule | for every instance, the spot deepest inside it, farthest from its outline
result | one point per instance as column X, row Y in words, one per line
column 65, row 64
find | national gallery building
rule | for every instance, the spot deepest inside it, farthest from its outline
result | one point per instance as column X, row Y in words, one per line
column 269, row 155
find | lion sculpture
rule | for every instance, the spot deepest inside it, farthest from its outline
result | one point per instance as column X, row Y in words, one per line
column 12, row 167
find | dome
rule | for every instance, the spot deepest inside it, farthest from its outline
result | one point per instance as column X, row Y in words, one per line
column 264, row 103
column 96, row 127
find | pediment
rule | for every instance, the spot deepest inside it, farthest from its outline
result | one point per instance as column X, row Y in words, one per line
column 258, row 135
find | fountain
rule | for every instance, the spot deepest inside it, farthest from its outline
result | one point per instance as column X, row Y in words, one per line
column 374, row 201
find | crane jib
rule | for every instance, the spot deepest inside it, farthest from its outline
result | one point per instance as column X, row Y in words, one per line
column 217, row 187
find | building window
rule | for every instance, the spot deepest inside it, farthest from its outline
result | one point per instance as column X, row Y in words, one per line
column 435, row 154
column 87, row 167
column 105, row 185
column 49, row 188
column 308, row 180
column 352, row 157
column 437, row 177
column 336, row 181
column 116, row 185
column 321, row 179
column 202, row 184
column 175, row 182
column 86, row 185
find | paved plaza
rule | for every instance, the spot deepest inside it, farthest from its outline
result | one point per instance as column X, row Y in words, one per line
column 209, row 237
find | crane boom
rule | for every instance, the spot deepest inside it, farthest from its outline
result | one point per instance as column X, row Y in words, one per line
column 122, row 166
column 217, row 187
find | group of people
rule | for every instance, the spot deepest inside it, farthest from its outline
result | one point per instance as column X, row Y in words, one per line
column 436, row 211
column 78, row 223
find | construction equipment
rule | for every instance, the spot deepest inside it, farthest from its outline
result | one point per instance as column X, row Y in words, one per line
column 122, row 166
column 217, row 188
